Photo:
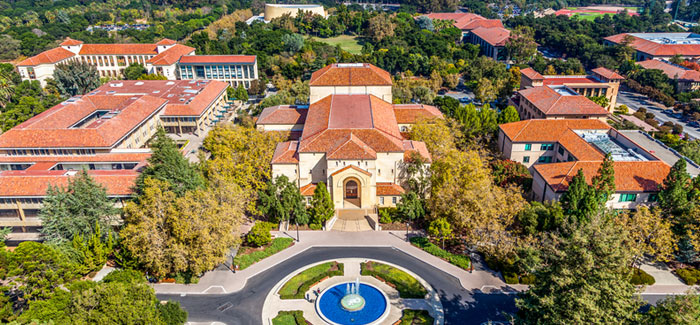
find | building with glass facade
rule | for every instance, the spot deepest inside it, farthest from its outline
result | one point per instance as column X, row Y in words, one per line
column 233, row 69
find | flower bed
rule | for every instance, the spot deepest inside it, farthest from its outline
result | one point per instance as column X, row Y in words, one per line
column 404, row 283
column 250, row 256
column 299, row 284
column 423, row 243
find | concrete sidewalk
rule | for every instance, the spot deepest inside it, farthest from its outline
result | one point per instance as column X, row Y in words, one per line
column 219, row 281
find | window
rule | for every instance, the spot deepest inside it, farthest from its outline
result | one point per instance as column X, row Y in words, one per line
column 628, row 197
column 381, row 200
column 528, row 147
column 526, row 159
column 653, row 197
column 393, row 200
column 561, row 150
column 545, row 159
column 547, row 146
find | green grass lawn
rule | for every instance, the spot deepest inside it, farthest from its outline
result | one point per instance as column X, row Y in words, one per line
column 300, row 283
column 416, row 317
column 295, row 317
column 346, row 42
column 246, row 258
column 423, row 243
column 405, row 284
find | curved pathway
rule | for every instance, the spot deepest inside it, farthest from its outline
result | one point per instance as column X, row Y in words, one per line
column 461, row 306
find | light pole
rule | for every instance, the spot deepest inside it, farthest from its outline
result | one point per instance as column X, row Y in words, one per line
column 297, row 224
column 406, row 231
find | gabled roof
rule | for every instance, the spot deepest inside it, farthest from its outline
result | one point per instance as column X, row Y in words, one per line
column 607, row 73
column 286, row 153
column 54, row 55
column 465, row 20
column 35, row 183
column 350, row 74
column 657, row 49
column 171, row 55
column 353, row 167
column 71, row 42
column 630, row 176
column 496, row 36
column 418, row 147
column 308, row 189
column 673, row 71
column 166, row 41
column 282, row 114
column 350, row 147
column 548, row 130
column 551, row 102
column 412, row 113
column 389, row 189
column 531, row 74
column 218, row 59
column 118, row 49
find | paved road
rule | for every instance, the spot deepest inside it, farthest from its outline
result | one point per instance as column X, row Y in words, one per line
column 635, row 101
column 245, row 307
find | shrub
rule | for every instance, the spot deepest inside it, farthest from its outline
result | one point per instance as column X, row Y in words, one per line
column 289, row 317
column 405, row 284
column 245, row 260
column 299, row 284
column 171, row 313
column 639, row 277
column 458, row 260
column 315, row 226
column 510, row 277
column 691, row 276
column 527, row 279
column 124, row 276
column 391, row 212
column 416, row 317
column 259, row 235
column 384, row 216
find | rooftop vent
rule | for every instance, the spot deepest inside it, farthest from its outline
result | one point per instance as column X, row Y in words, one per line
column 116, row 84
column 156, row 91
column 111, row 91
column 139, row 83
column 70, row 173
column 170, row 83
column 351, row 65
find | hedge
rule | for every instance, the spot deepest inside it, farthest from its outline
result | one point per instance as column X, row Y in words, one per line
column 416, row 317
column 293, row 317
column 423, row 243
column 245, row 260
column 405, row 284
column 639, row 277
column 299, row 284
column 691, row 276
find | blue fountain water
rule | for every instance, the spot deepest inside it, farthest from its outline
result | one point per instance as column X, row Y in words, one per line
column 330, row 307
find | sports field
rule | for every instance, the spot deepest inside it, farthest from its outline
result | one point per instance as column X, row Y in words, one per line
column 346, row 42
column 593, row 12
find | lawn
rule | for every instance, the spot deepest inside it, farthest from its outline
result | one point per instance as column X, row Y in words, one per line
column 416, row 317
column 404, row 283
column 300, row 283
column 423, row 243
column 248, row 257
column 346, row 42
column 294, row 317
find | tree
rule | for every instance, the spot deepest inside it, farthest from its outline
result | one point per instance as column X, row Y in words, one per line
column 426, row 23
column 81, row 208
column 190, row 233
column 38, row 269
column 282, row 201
column 76, row 78
column 540, row 217
column 440, row 228
column 380, row 27
column 521, row 45
column 601, row 100
column 579, row 200
column 650, row 234
column 674, row 310
column 439, row 137
column 508, row 115
column 168, row 164
column 322, row 207
column 293, row 42
column 674, row 192
column 485, row 90
column 584, row 278
column 134, row 71
column 604, row 181
column 411, row 207
column 9, row 47
column 240, row 93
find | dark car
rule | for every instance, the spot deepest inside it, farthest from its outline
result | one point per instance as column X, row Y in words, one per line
column 465, row 100
column 694, row 124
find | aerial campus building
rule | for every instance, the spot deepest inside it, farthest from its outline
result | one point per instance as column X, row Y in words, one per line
column 105, row 133
column 489, row 34
column 166, row 58
column 660, row 45
column 686, row 79
column 348, row 137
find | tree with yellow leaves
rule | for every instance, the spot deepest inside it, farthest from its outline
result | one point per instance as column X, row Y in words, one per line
column 438, row 135
column 650, row 234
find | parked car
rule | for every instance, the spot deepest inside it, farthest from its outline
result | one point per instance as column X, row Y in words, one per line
column 694, row 124
column 465, row 100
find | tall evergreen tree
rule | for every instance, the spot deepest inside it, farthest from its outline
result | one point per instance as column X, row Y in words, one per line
column 168, row 164
column 322, row 207
column 579, row 200
column 281, row 200
column 508, row 115
column 673, row 196
column 76, row 78
column 82, row 207
column 604, row 181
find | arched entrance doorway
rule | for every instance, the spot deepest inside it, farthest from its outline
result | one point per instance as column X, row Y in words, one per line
column 351, row 193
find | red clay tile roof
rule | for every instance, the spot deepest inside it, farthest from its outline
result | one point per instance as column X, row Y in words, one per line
column 531, row 74
column 50, row 56
column 547, row 130
column 35, row 183
column 412, row 113
column 567, row 80
column 350, row 74
column 607, row 73
column 171, row 55
column 496, row 36
column 282, row 114
column 671, row 70
column 286, row 153
column 99, row 157
column 184, row 97
column 416, row 147
column 53, row 127
column 476, row 23
column 71, row 42
column 657, row 49
column 353, row 167
column 630, row 176
column 118, row 49
column 218, row 59
column 389, row 189
column 466, row 21
column 552, row 103
column 308, row 189
column 166, row 41
column 350, row 147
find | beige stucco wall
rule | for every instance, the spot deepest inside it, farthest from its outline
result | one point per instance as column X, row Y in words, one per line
column 41, row 72
column 273, row 11
column 289, row 170
column 139, row 136
column 367, row 190
column 319, row 92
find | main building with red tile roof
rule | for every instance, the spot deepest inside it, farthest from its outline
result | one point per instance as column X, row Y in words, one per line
column 349, row 137
column 465, row 21
column 687, row 79
column 555, row 150
column 555, row 102
column 660, row 45
column 162, row 58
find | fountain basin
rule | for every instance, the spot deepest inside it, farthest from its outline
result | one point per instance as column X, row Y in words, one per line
column 372, row 309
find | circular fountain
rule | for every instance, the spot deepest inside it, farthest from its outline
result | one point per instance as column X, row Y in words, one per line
column 353, row 303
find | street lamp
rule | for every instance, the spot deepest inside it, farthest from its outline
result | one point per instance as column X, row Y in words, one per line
column 406, row 231
column 297, row 224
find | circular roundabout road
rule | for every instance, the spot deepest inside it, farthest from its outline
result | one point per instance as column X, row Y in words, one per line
column 244, row 307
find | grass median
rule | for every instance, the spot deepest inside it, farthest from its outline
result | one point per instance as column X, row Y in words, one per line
column 249, row 256
column 404, row 283
column 423, row 243
column 299, row 284
column 293, row 317
column 416, row 317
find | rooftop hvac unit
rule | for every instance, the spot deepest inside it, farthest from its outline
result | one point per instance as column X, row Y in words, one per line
column 116, row 84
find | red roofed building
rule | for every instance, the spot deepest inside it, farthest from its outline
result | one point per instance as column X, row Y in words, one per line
column 492, row 41
column 601, row 82
column 554, row 151
column 687, row 79
column 555, row 102
column 466, row 21
column 350, row 137
column 660, row 45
